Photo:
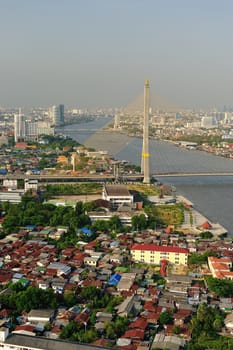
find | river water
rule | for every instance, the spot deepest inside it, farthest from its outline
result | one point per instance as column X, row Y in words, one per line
column 212, row 195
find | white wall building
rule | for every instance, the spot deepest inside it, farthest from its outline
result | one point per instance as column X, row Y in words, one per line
column 117, row 195
column 209, row 122
column 57, row 115
column 19, row 126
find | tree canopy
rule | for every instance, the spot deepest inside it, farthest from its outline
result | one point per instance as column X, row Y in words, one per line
column 30, row 298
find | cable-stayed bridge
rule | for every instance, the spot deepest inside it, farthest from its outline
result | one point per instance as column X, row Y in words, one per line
column 64, row 178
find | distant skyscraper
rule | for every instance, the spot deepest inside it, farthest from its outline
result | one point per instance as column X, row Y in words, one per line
column 145, row 165
column 57, row 115
column 19, row 126
column 31, row 130
column 209, row 122
column 116, row 121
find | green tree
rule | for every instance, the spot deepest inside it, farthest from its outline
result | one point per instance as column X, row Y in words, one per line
column 139, row 222
column 100, row 225
column 68, row 331
column 109, row 330
column 90, row 292
column 166, row 317
column 120, row 325
column 70, row 298
column 221, row 287
column 115, row 223
column 199, row 259
column 30, row 298
column 176, row 330
column 89, row 335
column 206, row 235
column 218, row 324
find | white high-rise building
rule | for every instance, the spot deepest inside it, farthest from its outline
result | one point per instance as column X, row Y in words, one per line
column 19, row 126
column 209, row 122
column 31, row 130
column 57, row 115
column 44, row 128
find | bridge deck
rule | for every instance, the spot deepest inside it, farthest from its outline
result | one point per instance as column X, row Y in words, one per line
column 105, row 177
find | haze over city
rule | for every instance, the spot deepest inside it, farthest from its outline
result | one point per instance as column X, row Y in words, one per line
column 98, row 53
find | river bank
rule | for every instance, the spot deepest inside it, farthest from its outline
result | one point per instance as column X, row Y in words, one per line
column 212, row 195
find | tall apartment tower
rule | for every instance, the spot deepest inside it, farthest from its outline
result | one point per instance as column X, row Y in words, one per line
column 57, row 115
column 145, row 164
column 19, row 126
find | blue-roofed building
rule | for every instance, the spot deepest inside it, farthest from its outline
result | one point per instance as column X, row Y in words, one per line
column 114, row 279
column 30, row 227
column 85, row 231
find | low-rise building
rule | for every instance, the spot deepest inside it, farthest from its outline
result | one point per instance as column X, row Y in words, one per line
column 117, row 195
column 220, row 267
column 153, row 254
column 43, row 316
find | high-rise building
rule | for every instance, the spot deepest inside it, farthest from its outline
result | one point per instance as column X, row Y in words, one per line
column 57, row 115
column 209, row 122
column 116, row 121
column 44, row 128
column 19, row 126
column 31, row 130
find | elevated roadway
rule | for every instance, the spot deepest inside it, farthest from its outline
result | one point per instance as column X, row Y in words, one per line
column 66, row 178
column 192, row 174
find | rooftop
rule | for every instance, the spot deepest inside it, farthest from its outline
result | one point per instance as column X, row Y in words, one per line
column 47, row 344
column 116, row 190
column 157, row 248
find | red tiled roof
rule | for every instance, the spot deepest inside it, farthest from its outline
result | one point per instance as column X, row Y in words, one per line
column 5, row 276
column 157, row 248
column 82, row 318
column 90, row 282
column 149, row 305
column 140, row 323
column 25, row 327
column 101, row 342
column 153, row 317
column 134, row 333
column 56, row 329
column 51, row 272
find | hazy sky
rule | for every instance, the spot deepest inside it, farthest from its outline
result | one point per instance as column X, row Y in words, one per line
column 90, row 53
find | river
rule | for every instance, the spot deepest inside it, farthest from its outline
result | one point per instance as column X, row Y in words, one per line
column 212, row 195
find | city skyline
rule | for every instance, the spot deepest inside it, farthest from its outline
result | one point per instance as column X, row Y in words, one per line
column 97, row 53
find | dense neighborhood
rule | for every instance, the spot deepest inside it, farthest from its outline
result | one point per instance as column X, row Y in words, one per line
column 108, row 265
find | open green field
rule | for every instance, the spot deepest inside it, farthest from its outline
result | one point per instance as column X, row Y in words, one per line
column 167, row 214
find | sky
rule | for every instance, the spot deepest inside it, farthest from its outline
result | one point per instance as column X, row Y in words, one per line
column 98, row 53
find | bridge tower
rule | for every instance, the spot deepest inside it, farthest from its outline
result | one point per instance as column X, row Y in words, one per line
column 145, row 164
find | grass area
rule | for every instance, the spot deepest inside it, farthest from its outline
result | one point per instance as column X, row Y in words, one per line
column 144, row 190
column 167, row 214
column 74, row 189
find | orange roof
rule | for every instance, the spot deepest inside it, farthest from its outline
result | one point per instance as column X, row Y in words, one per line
column 220, row 267
column 62, row 159
column 212, row 259
column 206, row 225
